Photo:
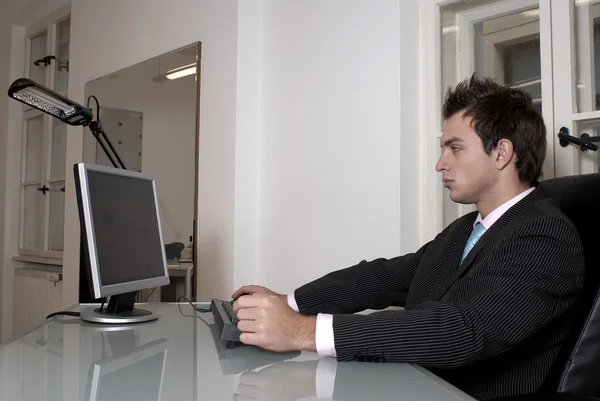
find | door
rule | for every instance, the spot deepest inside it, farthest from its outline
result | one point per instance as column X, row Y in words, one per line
column 548, row 48
column 576, row 47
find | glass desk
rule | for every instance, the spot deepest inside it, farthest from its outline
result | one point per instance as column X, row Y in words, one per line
column 178, row 357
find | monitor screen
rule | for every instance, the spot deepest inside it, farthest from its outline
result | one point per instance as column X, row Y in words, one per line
column 123, row 231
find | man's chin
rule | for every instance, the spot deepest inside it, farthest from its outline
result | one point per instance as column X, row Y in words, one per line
column 458, row 198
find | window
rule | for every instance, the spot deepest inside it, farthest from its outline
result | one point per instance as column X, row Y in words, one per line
column 44, row 145
column 551, row 49
column 497, row 39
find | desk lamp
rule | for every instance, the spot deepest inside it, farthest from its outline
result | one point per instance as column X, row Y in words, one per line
column 39, row 97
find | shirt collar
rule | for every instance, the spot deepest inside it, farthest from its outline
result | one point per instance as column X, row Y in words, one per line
column 500, row 210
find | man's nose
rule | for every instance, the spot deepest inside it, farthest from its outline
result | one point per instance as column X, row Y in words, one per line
column 441, row 165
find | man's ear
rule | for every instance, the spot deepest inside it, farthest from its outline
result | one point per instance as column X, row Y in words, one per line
column 504, row 153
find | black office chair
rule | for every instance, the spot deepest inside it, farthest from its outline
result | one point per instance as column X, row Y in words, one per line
column 575, row 374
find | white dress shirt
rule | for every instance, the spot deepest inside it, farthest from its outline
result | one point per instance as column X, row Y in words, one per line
column 324, row 333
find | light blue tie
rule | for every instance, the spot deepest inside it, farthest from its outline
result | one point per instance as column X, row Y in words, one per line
column 478, row 231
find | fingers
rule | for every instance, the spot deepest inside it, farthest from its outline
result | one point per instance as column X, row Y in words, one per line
column 249, row 338
column 244, row 314
column 248, row 289
column 248, row 326
column 248, row 301
column 242, row 290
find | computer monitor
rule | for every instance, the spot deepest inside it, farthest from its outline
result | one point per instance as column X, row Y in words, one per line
column 125, row 253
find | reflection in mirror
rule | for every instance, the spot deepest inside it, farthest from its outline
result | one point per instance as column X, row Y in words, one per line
column 149, row 113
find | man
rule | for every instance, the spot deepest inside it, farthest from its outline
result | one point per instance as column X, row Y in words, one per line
column 487, row 302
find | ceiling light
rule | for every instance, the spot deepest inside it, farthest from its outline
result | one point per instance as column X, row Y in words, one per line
column 181, row 71
column 449, row 29
column 531, row 13
column 527, row 83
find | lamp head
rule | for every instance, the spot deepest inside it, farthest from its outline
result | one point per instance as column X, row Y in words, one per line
column 50, row 102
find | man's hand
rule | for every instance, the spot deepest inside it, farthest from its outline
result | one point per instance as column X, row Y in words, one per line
column 268, row 322
column 257, row 289
column 281, row 381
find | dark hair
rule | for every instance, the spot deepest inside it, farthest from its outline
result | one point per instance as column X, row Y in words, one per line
column 501, row 112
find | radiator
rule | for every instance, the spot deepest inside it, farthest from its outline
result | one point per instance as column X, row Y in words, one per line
column 37, row 293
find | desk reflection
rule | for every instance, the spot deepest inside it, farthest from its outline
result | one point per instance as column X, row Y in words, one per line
column 127, row 371
column 342, row 381
column 236, row 357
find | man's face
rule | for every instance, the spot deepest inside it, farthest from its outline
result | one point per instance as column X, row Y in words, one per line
column 467, row 171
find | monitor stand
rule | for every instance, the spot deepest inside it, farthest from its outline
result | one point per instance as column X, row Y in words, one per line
column 119, row 311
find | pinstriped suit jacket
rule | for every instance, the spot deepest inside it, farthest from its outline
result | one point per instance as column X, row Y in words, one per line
column 492, row 325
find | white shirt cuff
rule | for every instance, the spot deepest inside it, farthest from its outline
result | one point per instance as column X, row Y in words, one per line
column 324, row 335
column 325, row 378
column 292, row 302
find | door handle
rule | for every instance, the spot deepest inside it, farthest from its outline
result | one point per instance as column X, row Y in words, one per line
column 43, row 189
column 44, row 60
column 585, row 142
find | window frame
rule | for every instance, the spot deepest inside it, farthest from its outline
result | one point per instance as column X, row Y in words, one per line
column 43, row 254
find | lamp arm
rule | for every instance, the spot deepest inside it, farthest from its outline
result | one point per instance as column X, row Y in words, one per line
column 100, row 135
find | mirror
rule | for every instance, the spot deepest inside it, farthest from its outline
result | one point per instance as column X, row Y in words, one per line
column 149, row 112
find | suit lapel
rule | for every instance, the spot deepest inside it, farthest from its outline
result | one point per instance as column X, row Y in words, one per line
column 485, row 239
column 449, row 260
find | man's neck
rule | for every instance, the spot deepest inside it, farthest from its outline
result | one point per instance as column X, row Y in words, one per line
column 498, row 198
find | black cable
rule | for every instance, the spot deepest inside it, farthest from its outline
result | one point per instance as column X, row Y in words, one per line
column 64, row 313
column 102, row 306
column 97, row 106
column 149, row 295
column 196, row 309
column 98, row 131
column 193, row 306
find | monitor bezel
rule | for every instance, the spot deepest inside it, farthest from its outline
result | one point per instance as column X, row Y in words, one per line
column 100, row 290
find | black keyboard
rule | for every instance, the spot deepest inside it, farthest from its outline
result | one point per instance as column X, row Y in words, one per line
column 225, row 320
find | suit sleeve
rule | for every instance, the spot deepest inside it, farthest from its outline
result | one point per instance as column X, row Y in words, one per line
column 526, row 282
column 367, row 285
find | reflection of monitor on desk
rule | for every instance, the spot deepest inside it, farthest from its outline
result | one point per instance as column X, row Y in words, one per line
column 236, row 357
column 135, row 376
column 118, row 211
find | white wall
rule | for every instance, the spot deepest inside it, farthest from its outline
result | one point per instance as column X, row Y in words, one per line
column 248, row 132
column 331, row 156
column 413, row 165
column 169, row 137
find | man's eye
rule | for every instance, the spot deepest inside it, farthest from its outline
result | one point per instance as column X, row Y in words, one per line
column 455, row 148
